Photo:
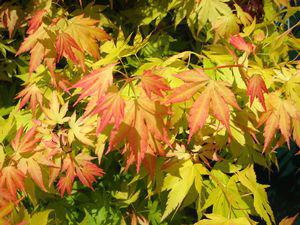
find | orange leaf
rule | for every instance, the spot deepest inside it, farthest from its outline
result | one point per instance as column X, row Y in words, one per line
column 110, row 109
column 199, row 112
column 33, row 93
column 27, row 143
column 239, row 43
column 12, row 179
column 256, row 88
column 86, row 170
column 153, row 83
column 97, row 82
column 65, row 45
column 36, row 21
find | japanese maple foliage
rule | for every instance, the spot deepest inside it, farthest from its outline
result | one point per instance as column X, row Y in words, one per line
column 173, row 125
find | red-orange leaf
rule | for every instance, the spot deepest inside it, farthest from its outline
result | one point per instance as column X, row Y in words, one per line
column 215, row 96
column 239, row 43
column 110, row 109
column 86, row 170
column 27, row 143
column 199, row 112
column 256, row 87
column 278, row 116
column 65, row 46
column 12, row 179
column 153, row 83
column 36, row 21
column 65, row 183
column 30, row 93
column 95, row 83
column 142, row 126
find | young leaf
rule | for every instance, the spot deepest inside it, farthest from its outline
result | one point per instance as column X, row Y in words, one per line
column 95, row 83
column 153, row 83
column 12, row 179
column 239, row 43
column 256, row 88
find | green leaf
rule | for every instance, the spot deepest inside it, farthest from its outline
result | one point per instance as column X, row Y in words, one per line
column 215, row 219
column 40, row 218
column 248, row 179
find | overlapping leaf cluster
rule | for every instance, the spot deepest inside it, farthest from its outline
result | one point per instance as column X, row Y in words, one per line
column 189, row 124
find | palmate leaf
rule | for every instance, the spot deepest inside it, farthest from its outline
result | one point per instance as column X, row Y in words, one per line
column 110, row 109
column 153, row 83
column 248, row 178
column 142, row 127
column 214, row 98
column 96, row 83
column 256, row 87
column 32, row 94
column 189, row 174
column 12, row 179
column 36, row 21
column 215, row 219
column 62, row 37
column 279, row 114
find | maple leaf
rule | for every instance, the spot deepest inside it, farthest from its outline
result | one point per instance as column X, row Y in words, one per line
column 81, row 129
column 36, row 21
column 256, row 88
column 278, row 116
column 30, row 166
column 27, row 142
column 33, row 93
column 239, row 43
column 86, row 34
column 110, row 108
column 142, row 124
column 66, row 45
column 153, row 83
column 86, row 170
column 215, row 97
column 5, row 197
column 208, row 10
column 55, row 114
column 41, row 46
column 97, row 82
column 65, row 183
column 12, row 179
column 80, row 34
column 9, row 16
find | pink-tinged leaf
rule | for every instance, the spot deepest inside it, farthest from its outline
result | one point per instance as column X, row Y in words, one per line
column 65, row 46
column 37, row 55
column 153, row 83
column 184, row 92
column 97, row 82
column 226, row 93
column 27, row 143
column 36, row 21
column 239, row 43
column 65, row 184
column 270, row 129
column 110, row 109
column 33, row 94
column 12, row 179
column 86, row 170
column 35, row 172
column 199, row 113
column 256, row 87
column 192, row 76
column 10, row 19
column 285, row 124
column 220, row 109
